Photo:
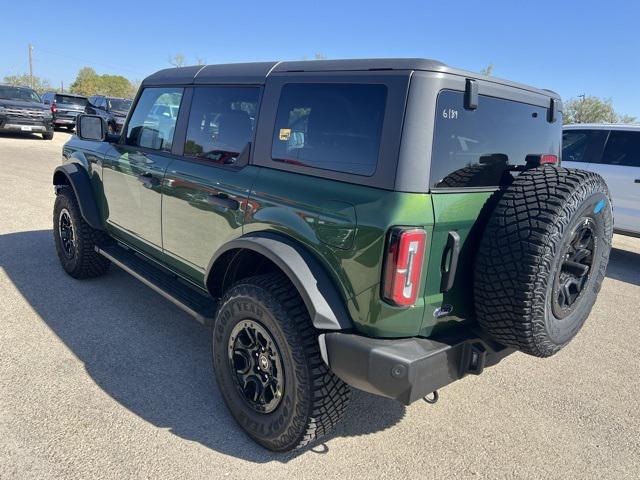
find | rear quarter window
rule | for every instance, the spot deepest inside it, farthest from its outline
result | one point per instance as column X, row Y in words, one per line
column 330, row 126
column 483, row 148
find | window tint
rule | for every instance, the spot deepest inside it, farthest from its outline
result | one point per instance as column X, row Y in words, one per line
column 583, row 145
column 69, row 100
column 221, row 122
column 149, row 129
column 119, row 104
column 485, row 147
column 623, row 148
column 330, row 126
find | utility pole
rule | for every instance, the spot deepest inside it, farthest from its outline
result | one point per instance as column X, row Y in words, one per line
column 61, row 86
column 580, row 111
column 30, row 65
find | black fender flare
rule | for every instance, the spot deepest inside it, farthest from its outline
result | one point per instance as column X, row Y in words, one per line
column 78, row 178
column 318, row 291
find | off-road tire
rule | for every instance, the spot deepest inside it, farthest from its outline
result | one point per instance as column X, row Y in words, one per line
column 47, row 136
column 85, row 261
column 314, row 399
column 523, row 249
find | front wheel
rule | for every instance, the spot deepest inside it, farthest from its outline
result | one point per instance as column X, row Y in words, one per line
column 268, row 365
column 75, row 239
column 47, row 136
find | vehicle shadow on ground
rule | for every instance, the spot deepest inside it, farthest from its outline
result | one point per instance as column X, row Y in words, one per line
column 21, row 136
column 624, row 266
column 149, row 355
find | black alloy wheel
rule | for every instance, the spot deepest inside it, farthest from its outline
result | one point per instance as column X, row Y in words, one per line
column 255, row 361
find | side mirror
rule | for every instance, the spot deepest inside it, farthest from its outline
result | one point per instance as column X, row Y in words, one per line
column 91, row 127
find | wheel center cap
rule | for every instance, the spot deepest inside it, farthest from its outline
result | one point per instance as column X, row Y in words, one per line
column 263, row 362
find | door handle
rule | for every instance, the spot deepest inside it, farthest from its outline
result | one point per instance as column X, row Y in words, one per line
column 452, row 252
column 148, row 180
column 223, row 200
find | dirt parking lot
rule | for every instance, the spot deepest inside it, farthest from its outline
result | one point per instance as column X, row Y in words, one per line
column 106, row 379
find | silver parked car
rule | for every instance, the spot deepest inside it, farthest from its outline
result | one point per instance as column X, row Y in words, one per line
column 613, row 151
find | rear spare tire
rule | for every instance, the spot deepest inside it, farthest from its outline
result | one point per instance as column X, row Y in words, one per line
column 542, row 258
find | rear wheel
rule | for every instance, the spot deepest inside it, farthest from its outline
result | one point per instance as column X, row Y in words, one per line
column 542, row 258
column 47, row 135
column 268, row 365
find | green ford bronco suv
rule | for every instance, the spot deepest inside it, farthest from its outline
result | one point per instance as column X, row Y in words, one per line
column 391, row 225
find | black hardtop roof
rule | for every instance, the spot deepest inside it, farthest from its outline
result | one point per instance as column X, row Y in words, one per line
column 255, row 73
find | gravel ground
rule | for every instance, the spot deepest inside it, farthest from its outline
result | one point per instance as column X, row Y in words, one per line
column 106, row 379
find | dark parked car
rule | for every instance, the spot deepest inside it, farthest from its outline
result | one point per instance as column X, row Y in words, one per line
column 65, row 107
column 392, row 225
column 22, row 110
column 113, row 110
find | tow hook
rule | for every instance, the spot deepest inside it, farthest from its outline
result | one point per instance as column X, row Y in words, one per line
column 431, row 397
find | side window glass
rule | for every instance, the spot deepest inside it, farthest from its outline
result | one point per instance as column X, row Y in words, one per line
column 149, row 129
column 221, row 122
column 330, row 126
column 583, row 145
column 623, row 148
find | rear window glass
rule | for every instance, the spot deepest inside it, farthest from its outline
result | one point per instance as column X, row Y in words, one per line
column 330, row 126
column 583, row 145
column 623, row 148
column 484, row 147
column 68, row 100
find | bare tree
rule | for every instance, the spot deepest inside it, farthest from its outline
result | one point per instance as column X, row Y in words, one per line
column 201, row 61
column 488, row 70
column 177, row 60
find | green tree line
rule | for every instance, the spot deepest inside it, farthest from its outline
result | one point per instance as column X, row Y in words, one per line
column 88, row 82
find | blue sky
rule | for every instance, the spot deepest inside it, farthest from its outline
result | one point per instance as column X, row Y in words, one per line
column 572, row 47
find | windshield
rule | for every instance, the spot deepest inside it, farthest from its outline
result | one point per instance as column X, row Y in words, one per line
column 19, row 93
column 120, row 105
column 69, row 100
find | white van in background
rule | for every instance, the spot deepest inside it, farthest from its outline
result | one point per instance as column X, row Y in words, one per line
column 613, row 151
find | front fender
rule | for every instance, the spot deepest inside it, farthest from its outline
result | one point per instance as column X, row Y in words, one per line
column 78, row 178
column 322, row 299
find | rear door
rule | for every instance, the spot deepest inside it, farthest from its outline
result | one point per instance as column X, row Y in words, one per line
column 134, row 170
column 620, row 167
column 475, row 153
column 206, row 189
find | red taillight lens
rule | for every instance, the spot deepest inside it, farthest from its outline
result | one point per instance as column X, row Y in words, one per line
column 403, row 265
column 54, row 108
column 548, row 159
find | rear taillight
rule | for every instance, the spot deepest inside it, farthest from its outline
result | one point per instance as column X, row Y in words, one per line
column 54, row 108
column 403, row 265
column 548, row 159
column 544, row 159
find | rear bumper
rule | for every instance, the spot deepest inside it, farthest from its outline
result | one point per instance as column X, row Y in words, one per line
column 64, row 121
column 408, row 369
